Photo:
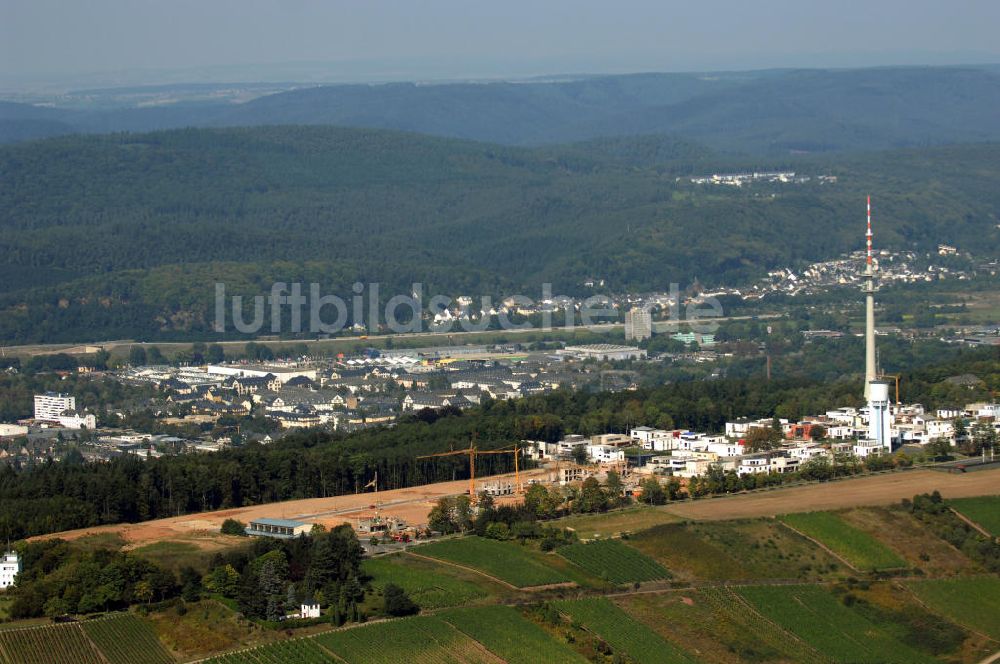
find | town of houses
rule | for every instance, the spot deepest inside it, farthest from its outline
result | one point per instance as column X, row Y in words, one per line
column 344, row 394
column 848, row 270
column 377, row 388
column 835, row 435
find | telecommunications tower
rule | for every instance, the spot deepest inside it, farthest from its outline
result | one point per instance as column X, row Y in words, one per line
column 869, row 289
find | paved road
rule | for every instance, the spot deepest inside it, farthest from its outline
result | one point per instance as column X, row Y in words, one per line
column 80, row 348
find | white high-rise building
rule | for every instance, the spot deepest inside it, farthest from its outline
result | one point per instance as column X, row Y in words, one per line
column 50, row 406
column 10, row 567
column 638, row 324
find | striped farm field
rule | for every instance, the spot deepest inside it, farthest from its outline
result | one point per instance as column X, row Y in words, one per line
column 416, row 640
column 509, row 562
column 973, row 601
column 126, row 639
column 983, row 511
column 853, row 545
column 624, row 633
column 511, row 636
column 299, row 651
column 727, row 606
column 816, row 616
column 428, row 587
column 52, row 644
column 614, row 561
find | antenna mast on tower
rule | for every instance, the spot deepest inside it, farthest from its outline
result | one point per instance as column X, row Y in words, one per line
column 869, row 288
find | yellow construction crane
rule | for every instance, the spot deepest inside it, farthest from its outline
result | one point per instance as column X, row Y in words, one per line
column 516, row 451
column 896, row 377
column 471, row 451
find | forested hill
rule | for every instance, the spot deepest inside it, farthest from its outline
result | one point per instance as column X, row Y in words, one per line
column 775, row 112
column 123, row 236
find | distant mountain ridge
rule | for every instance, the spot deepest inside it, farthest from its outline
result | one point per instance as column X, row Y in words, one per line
column 771, row 112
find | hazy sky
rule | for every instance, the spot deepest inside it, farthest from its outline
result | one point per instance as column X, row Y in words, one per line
column 451, row 38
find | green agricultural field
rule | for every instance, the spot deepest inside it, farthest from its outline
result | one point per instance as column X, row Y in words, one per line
column 984, row 511
column 730, row 608
column 973, row 602
column 686, row 554
column 299, row 651
column 416, row 639
column 716, row 625
column 614, row 561
column 766, row 550
column 612, row 524
column 856, row 546
column 622, row 632
column 513, row 563
column 127, row 639
column 53, row 644
column 817, row 617
column 511, row 636
column 910, row 538
column 430, row 585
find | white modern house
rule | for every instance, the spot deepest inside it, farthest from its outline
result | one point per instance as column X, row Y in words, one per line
column 605, row 453
column 10, row 567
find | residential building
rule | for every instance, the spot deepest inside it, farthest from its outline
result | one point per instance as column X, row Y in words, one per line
column 638, row 324
column 252, row 384
column 605, row 453
column 10, row 567
column 309, row 610
column 51, row 405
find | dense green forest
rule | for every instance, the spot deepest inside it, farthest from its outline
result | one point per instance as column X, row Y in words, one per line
column 124, row 236
column 773, row 112
column 59, row 496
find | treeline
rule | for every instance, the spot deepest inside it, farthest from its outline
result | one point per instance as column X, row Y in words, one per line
column 268, row 579
column 271, row 578
column 60, row 578
column 933, row 511
column 59, row 496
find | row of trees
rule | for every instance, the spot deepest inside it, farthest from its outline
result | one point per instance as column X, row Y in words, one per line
column 60, row 578
column 270, row 578
column 933, row 511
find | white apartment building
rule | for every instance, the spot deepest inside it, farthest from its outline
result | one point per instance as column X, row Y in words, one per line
column 567, row 444
column 638, row 324
column 643, row 435
column 754, row 464
column 10, row 567
column 605, row 453
column 727, row 449
column 50, row 406
column 76, row 420
column 939, row 429
column 983, row 410
column 866, row 447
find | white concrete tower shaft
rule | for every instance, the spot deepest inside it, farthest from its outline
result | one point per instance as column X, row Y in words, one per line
column 869, row 308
